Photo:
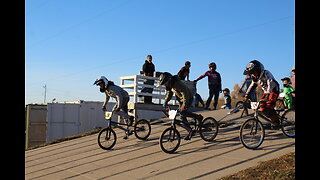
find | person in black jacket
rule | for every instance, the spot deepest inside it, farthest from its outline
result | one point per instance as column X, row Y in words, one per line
column 148, row 69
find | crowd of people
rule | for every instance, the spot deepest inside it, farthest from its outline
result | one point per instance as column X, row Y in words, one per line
column 255, row 75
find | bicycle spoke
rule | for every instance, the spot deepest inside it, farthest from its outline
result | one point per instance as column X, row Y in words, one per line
column 251, row 134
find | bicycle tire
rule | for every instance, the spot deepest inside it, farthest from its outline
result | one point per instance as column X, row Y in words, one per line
column 106, row 135
column 142, row 126
column 252, row 125
column 288, row 123
column 209, row 129
column 173, row 136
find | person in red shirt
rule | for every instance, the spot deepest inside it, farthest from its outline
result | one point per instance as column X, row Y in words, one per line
column 185, row 71
column 214, row 83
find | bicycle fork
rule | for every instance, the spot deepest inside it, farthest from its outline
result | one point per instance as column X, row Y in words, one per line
column 108, row 132
column 254, row 128
column 172, row 132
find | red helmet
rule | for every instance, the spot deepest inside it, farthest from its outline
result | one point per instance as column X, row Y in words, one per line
column 213, row 65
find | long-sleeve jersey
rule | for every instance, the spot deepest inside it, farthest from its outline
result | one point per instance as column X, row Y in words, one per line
column 180, row 90
column 267, row 82
column 214, row 79
column 116, row 92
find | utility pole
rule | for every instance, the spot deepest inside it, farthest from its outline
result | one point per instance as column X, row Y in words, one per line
column 45, row 93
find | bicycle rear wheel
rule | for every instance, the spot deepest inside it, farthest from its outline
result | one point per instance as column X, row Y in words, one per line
column 142, row 129
column 288, row 123
column 107, row 138
column 170, row 140
column 209, row 129
column 252, row 133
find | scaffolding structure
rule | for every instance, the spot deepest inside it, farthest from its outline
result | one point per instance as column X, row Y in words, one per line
column 134, row 85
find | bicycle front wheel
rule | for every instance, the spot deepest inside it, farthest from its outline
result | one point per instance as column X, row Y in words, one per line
column 170, row 140
column 288, row 123
column 107, row 138
column 209, row 129
column 252, row 133
column 142, row 129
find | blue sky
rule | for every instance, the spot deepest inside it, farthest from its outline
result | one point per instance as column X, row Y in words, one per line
column 69, row 43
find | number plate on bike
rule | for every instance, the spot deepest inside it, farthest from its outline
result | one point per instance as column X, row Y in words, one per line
column 172, row 114
column 254, row 105
column 108, row 115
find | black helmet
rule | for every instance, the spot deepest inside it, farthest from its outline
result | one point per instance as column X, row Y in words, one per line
column 164, row 78
column 286, row 79
column 254, row 66
column 212, row 65
column 226, row 89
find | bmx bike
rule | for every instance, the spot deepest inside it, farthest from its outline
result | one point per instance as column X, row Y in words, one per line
column 107, row 137
column 170, row 138
column 252, row 131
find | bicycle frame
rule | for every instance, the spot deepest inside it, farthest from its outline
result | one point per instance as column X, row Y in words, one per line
column 108, row 116
column 257, row 114
column 172, row 115
column 231, row 112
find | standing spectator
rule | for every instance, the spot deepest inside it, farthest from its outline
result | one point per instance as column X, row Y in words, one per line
column 148, row 70
column 214, row 83
column 185, row 71
column 287, row 90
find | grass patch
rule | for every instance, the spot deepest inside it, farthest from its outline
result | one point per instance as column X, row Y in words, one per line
column 65, row 139
column 279, row 168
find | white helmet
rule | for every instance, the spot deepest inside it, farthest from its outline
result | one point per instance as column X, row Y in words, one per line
column 100, row 80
